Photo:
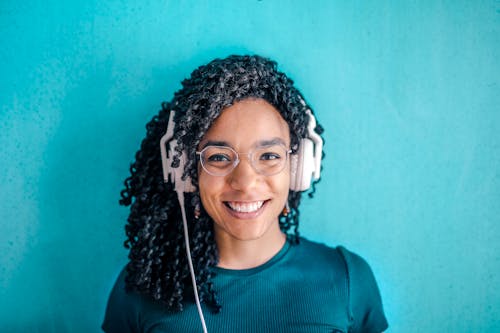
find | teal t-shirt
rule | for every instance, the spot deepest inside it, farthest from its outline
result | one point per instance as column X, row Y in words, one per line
column 308, row 287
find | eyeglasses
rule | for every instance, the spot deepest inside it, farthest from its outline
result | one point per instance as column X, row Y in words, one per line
column 265, row 160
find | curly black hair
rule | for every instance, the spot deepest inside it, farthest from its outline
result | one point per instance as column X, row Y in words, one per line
column 158, row 265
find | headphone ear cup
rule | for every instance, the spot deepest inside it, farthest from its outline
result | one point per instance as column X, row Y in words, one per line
column 302, row 166
column 294, row 161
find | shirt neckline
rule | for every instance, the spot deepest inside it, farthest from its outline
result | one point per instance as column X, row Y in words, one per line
column 249, row 271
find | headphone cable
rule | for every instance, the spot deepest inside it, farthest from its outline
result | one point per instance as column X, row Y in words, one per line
column 180, row 196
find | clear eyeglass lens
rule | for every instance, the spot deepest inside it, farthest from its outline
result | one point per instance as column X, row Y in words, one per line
column 267, row 160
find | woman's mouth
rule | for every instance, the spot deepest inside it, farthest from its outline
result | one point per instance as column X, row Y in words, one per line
column 244, row 207
column 245, row 210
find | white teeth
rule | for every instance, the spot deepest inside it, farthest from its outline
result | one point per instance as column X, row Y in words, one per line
column 247, row 207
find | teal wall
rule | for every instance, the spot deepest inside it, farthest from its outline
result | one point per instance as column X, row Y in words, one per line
column 407, row 91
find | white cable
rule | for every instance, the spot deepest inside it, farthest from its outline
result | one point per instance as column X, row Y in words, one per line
column 180, row 196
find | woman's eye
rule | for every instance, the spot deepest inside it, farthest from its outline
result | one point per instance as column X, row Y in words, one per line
column 269, row 156
column 218, row 158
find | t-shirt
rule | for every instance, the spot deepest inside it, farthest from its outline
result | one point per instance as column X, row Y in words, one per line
column 306, row 287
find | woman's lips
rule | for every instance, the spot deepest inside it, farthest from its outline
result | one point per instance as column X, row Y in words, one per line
column 245, row 210
column 245, row 207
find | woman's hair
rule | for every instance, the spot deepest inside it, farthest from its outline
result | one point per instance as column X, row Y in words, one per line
column 158, row 264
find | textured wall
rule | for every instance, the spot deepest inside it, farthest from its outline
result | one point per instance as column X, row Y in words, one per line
column 408, row 94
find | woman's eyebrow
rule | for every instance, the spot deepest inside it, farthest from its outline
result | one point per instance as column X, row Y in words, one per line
column 270, row 142
column 258, row 144
column 215, row 143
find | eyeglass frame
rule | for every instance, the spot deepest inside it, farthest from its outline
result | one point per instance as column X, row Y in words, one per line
column 238, row 159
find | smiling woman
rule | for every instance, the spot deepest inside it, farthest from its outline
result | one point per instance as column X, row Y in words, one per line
column 213, row 238
column 245, row 203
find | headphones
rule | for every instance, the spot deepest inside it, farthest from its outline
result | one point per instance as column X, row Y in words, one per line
column 305, row 163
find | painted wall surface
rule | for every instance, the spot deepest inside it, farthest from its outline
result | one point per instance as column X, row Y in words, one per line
column 408, row 93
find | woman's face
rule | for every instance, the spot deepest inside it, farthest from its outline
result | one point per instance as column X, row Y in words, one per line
column 245, row 204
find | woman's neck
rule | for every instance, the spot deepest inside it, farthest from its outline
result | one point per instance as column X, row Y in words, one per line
column 245, row 254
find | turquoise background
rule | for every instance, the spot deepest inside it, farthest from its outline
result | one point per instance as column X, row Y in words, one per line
column 408, row 93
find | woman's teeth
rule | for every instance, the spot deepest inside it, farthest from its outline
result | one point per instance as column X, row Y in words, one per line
column 245, row 207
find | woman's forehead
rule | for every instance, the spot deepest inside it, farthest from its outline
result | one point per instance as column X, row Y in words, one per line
column 249, row 122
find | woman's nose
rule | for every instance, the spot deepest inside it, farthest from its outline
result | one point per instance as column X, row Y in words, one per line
column 243, row 175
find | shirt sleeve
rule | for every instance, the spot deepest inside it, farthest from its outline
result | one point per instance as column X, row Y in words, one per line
column 365, row 303
column 122, row 311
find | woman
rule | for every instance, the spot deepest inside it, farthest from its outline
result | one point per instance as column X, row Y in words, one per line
column 213, row 226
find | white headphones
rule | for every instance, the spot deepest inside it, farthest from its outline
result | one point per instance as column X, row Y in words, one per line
column 305, row 164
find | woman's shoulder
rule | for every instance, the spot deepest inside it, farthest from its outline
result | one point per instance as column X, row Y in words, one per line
column 354, row 266
column 123, row 308
column 365, row 302
column 339, row 252
column 119, row 289
column 309, row 246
